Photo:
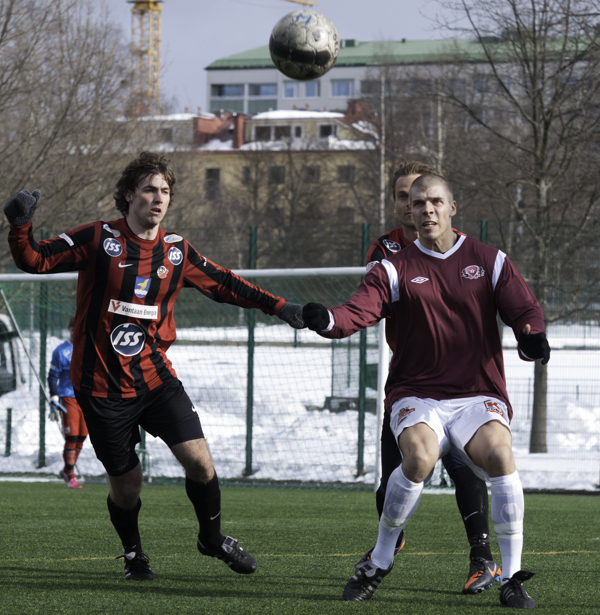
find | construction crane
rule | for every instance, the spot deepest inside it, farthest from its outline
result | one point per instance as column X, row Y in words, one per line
column 145, row 55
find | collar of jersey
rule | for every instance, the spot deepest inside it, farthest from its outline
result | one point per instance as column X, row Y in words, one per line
column 131, row 235
column 445, row 255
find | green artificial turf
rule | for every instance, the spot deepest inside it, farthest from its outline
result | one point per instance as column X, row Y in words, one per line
column 57, row 550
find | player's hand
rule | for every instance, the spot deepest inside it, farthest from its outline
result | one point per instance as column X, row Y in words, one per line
column 316, row 316
column 54, row 408
column 20, row 209
column 292, row 314
column 534, row 345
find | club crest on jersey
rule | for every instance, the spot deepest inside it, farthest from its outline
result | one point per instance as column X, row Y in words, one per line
column 404, row 412
column 141, row 286
column 472, row 272
column 111, row 230
column 175, row 256
column 392, row 246
column 497, row 407
column 162, row 272
column 112, row 247
column 128, row 339
column 172, row 238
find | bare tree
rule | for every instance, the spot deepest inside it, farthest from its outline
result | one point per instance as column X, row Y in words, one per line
column 64, row 85
column 531, row 101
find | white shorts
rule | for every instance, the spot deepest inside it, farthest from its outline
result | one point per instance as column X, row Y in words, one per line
column 454, row 421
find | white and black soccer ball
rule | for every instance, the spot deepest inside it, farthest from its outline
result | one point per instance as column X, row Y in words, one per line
column 304, row 45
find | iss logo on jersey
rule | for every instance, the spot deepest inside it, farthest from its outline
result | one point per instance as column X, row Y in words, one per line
column 497, row 407
column 141, row 286
column 111, row 230
column 392, row 246
column 172, row 238
column 162, row 272
column 112, row 247
column 472, row 272
column 175, row 256
column 404, row 412
column 128, row 339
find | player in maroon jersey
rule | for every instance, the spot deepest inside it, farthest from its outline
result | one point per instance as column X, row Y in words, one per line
column 471, row 491
column 446, row 384
column 130, row 274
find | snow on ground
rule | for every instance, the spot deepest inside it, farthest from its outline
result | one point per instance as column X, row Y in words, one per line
column 294, row 439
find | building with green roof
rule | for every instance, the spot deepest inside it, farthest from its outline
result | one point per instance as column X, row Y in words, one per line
column 248, row 82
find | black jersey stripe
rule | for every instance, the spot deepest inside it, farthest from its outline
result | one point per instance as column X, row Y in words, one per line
column 94, row 317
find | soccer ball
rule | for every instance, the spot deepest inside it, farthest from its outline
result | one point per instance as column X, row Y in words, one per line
column 304, row 45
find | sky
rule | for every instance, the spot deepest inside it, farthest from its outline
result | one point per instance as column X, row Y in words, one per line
column 198, row 32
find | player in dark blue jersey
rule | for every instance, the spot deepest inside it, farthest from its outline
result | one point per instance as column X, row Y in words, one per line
column 65, row 406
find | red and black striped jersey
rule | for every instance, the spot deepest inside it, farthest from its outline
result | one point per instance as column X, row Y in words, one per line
column 126, row 291
column 386, row 245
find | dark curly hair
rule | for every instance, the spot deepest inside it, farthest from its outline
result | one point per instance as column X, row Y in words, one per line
column 147, row 163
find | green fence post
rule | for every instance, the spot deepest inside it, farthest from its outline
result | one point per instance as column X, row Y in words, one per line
column 43, row 340
column 250, row 382
column 483, row 231
column 362, row 374
column 8, row 432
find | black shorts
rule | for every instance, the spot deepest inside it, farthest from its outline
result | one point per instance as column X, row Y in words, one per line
column 113, row 423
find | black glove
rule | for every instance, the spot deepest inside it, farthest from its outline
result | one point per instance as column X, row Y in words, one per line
column 316, row 316
column 20, row 209
column 292, row 314
column 535, row 346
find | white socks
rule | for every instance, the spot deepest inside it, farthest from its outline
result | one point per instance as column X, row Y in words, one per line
column 508, row 509
column 401, row 500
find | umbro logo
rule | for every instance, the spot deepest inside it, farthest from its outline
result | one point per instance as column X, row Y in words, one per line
column 420, row 280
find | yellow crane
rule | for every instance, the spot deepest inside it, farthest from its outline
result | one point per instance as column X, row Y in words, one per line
column 145, row 55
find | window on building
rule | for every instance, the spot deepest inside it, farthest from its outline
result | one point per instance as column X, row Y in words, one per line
column 166, row 135
column 312, row 89
column 311, row 174
column 212, row 184
column 262, row 89
column 283, row 132
column 262, row 133
column 343, row 87
column 327, row 130
column 291, row 89
column 344, row 215
column 276, row 175
column 298, row 132
column 246, row 175
column 345, row 174
column 227, row 91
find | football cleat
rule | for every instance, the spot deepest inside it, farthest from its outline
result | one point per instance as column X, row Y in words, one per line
column 512, row 593
column 73, row 484
column 482, row 573
column 137, row 567
column 399, row 546
column 365, row 581
column 232, row 554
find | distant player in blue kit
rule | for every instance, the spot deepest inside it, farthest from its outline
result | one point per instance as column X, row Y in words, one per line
column 62, row 394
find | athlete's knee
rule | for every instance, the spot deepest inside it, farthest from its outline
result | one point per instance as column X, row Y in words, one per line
column 418, row 465
column 499, row 460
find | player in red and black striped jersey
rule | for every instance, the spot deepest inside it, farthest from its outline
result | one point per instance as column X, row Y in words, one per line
column 471, row 491
column 130, row 274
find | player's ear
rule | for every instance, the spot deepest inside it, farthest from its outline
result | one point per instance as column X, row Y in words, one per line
column 453, row 208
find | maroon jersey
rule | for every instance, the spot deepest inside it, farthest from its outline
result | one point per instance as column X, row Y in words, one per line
column 126, row 291
column 447, row 344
